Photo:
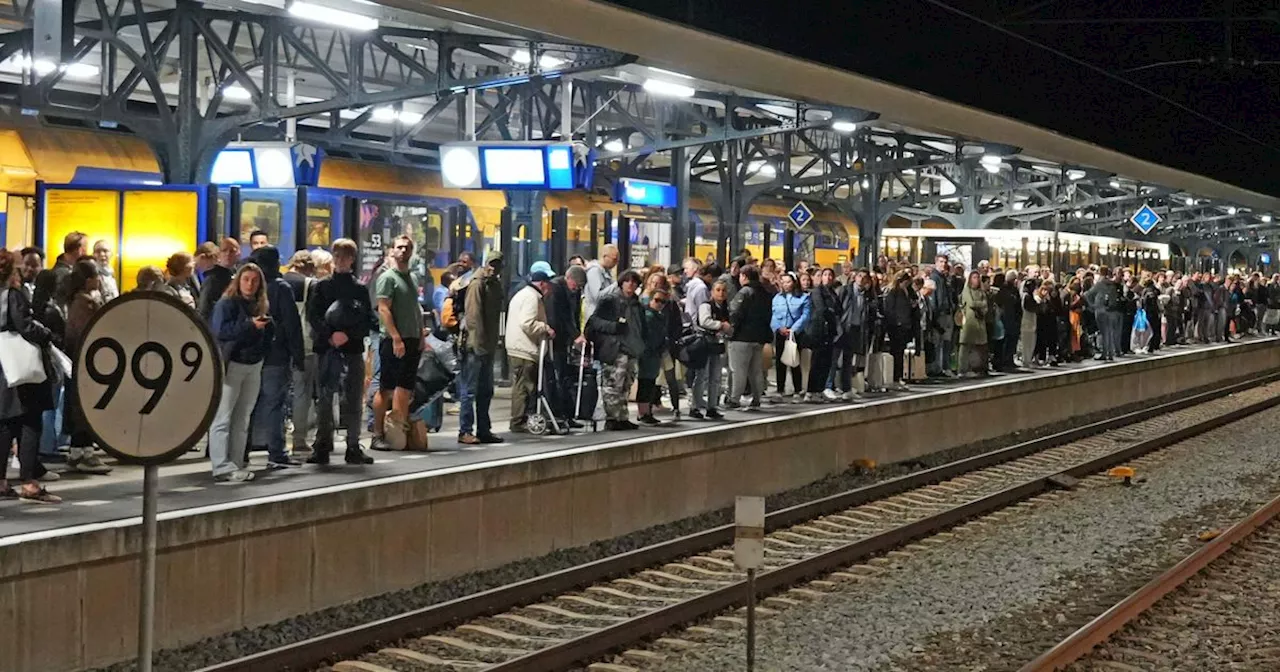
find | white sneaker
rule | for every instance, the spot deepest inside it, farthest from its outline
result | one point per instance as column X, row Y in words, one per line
column 901, row 387
column 830, row 395
column 847, row 396
column 237, row 476
column 49, row 477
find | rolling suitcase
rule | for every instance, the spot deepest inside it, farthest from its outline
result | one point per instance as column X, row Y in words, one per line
column 879, row 371
column 585, row 395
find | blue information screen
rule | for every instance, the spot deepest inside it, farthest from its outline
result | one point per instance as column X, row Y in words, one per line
column 513, row 167
column 644, row 192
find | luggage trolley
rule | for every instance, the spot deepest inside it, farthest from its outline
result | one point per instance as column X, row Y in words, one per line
column 543, row 418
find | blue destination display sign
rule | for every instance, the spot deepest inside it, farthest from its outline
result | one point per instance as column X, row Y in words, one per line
column 644, row 192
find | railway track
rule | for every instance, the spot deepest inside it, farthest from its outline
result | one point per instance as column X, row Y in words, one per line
column 582, row 613
column 1215, row 610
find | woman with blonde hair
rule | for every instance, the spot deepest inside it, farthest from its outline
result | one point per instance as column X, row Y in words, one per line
column 242, row 327
column 323, row 262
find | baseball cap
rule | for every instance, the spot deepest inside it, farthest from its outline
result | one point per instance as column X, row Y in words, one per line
column 541, row 267
column 538, row 276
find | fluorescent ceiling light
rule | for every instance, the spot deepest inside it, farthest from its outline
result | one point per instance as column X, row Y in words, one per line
column 385, row 115
column 545, row 61
column 660, row 88
column 668, row 72
column 615, row 145
column 1077, row 214
column 1115, row 184
column 1231, row 210
column 844, row 126
column 1018, row 205
column 866, row 184
column 992, row 168
column 81, row 70
column 331, row 16
column 1266, row 219
column 990, row 160
column 236, row 92
column 409, row 118
column 763, row 168
column 44, row 67
column 1191, row 201
column 1075, row 174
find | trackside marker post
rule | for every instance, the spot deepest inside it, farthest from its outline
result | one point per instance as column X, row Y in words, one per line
column 748, row 554
column 149, row 380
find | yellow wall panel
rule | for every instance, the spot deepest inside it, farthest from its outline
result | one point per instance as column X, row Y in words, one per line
column 93, row 213
column 155, row 225
column 56, row 153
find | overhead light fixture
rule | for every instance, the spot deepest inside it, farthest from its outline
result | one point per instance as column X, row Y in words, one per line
column 615, row 145
column 660, row 71
column 659, row 87
column 844, row 126
column 331, row 16
column 1266, row 219
column 866, row 184
column 1075, row 174
column 992, row 168
column 81, row 70
column 1115, row 184
column 1018, row 205
column 1231, row 210
column 762, row 168
column 409, row 118
column 236, row 92
column 545, row 61
column 43, row 66
column 1191, row 201
column 384, row 115
column 1078, row 214
column 990, row 160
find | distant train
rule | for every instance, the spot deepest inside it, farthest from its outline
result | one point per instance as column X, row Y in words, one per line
column 370, row 202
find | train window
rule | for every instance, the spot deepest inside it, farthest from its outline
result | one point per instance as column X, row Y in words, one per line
column 319, row 219
column 260, row 215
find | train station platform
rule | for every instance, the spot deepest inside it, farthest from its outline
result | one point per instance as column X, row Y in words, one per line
column 299, row 540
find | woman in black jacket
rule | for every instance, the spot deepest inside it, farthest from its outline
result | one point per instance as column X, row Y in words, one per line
column 898, row 324
column 1151, row 304
column 749, row 313
column 820, row 334
column 21, row 407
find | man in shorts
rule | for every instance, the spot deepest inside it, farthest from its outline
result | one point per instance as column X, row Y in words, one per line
column 401, row 346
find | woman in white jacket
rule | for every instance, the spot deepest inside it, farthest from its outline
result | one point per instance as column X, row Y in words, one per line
column 527, row 328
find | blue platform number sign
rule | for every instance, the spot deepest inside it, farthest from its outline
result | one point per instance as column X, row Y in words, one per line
column 800, row 214
column 1145, row 219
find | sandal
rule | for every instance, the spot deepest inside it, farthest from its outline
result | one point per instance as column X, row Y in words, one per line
column 40, row 496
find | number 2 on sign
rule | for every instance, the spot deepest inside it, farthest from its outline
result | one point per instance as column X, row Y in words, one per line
column 191, row 355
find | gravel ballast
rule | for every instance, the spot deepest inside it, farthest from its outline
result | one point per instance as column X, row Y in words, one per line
column 1006, row 588
column 253, row 640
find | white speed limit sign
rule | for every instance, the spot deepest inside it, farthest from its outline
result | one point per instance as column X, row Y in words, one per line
column 148, row 377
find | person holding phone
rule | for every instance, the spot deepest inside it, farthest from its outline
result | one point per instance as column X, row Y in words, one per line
column 243, row 330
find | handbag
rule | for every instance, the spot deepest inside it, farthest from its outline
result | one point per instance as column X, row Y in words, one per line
column 791, row 352
column 20, row 359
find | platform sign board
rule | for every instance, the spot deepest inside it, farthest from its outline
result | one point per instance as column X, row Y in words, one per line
column 148, row 377
column 800, row 214
column 1145, row 219
column 748, row 536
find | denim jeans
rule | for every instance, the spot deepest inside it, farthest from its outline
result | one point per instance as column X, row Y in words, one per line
column 374, row 342
column 51, row 426
column 267, row 425
column 706, row 385
column 304, row 394
column 475, row 392
column 230, row 428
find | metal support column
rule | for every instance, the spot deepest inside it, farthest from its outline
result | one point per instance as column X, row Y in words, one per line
column 789, row 249
column 559, row 253
column 300, row 221
column 683, row 236
column 456, row 232
column 766, row 240
column 231, row 227
column 593, row 246
column 624, row 241
column 608, row 227
column 506, row 242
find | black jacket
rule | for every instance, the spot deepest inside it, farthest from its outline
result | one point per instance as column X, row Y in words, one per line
column 749, row 313
column 563, row 311
column 616, row 327
column 215, row 283
column 824, row 311
column 1010, row 308
column 897, row 311
column 340, row 303
column 35, row 397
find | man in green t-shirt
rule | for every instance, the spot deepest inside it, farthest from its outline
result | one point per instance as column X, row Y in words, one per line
column 401, row 346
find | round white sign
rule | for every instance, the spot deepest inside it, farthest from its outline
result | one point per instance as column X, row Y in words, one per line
column 148, row 377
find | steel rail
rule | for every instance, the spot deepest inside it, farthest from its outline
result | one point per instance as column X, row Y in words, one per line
column 653, row 623
column 310, row 653
column 1100, row 629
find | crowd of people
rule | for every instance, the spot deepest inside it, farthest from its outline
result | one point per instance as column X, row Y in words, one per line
column 297, row 342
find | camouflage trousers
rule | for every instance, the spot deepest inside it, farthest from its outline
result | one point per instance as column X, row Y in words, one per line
column 616, row 378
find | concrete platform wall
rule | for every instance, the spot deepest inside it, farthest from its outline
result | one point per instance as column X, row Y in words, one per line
column 73, row 597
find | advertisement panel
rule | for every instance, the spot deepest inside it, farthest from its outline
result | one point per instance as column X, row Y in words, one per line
column 155, row 225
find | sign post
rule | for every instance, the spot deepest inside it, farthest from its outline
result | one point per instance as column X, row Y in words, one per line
column 149, row 380
column 800, row 214
column 748, row 554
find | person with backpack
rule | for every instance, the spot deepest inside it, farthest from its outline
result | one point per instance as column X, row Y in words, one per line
column 481, row 309
column 341, row 316
column 301, row 280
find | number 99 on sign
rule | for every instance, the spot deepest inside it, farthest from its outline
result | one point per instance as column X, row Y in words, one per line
column 148, row 378
column 191, row 355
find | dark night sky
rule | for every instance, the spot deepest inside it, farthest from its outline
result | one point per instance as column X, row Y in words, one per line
column 917, row 44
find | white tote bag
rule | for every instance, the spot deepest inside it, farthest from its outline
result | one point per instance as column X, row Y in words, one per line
column 20, row 360
column 791, row 352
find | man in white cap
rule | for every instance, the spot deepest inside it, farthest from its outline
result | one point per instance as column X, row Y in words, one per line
column 527, row 329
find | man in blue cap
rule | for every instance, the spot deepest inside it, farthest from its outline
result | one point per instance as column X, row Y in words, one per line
column 527, row 330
